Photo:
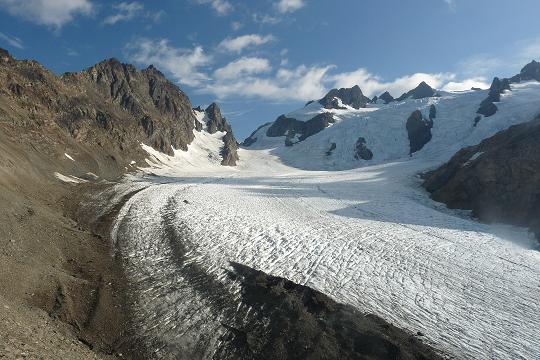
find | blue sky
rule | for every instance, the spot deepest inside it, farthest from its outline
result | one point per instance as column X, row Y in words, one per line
column 261, row 58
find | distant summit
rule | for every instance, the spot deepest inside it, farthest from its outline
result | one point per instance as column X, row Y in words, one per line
column 336, row 98
column 422, row 91
column 531, row 71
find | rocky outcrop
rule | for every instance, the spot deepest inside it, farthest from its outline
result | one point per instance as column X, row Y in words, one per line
column 284, row 125
column 216, row 122
column 292, row 128
column 229, row 152
column 419, row 131
column 348, row 96
column 432, row 112
column 290, row 321
column 331, row 149
column 422, row 91
column 487, row 107
column 498, row 179
column 362, row 151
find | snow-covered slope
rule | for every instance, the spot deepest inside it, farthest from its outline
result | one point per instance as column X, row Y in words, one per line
column 384, row 128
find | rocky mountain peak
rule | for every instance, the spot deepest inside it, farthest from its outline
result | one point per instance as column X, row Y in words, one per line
column 216, row 121
column 531, row 71
column 422, row 91
column 349, row 96
column 386, row 97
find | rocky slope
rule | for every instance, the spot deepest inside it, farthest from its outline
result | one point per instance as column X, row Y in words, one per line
column 498, row 179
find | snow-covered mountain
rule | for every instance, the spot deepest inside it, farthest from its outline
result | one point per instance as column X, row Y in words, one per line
column 422, row 123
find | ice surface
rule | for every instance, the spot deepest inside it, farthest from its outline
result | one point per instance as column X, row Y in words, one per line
column 367, row 235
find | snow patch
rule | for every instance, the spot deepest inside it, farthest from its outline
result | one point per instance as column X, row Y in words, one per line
column 69, row 178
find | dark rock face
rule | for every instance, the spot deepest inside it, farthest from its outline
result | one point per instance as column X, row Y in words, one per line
column 361, row 150
column 432, row 112
column 531, row 71
column 331, row 149
column 349, row 96
column 229, row 152
column 283, row 125
column 419, row 130
column 146, row 95
column 291, row 321
column 315, row 125
column 386, row 97
column 374, row 100
column 290, row 127
column 216, row 123
column 498, row 179
column 487, row 106
column 422, row 91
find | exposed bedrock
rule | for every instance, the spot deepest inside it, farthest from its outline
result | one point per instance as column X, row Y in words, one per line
column 498, row 179
column 290, row 127
column 419, row 131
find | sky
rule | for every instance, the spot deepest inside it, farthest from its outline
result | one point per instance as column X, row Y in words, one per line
column 261, row 58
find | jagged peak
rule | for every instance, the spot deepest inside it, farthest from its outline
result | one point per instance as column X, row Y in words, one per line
column 352, row 96
column 423, row 90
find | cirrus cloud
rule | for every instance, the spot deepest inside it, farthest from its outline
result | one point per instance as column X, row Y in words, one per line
column 238, row 44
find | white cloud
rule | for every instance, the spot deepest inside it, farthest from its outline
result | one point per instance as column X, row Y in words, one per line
column 125, row 12
column 239, row 43
column 467, row 84
column 266, row 19
column 11, row 40
column 221, row 7
column 242, row 67
column 285, row 6
column 183, row 64
column 54, row 13
column 299, row 84
column 373, row 85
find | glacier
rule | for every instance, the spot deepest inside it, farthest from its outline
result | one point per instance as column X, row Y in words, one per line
column 363, row 232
